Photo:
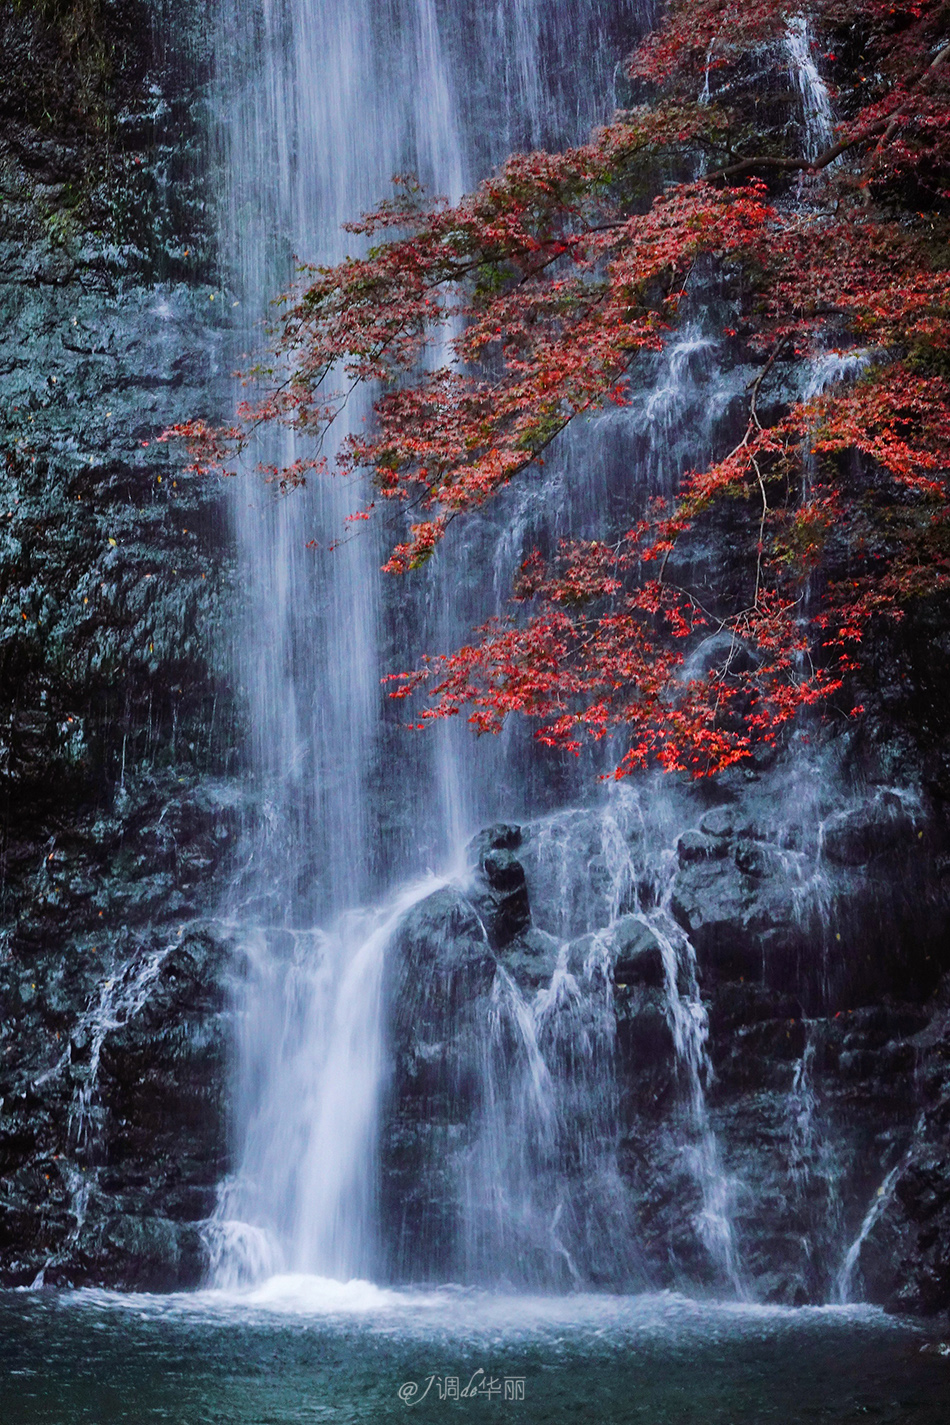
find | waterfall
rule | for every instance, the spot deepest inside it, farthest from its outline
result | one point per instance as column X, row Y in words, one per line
column 312, row 1044
column 321, row 104
column 120, row 998
column 359, row 825
column 690, row 1036
column 604, row 920
column 845, row 1280
column 543, row 1202
column 318, row 103
column 880, row 1203
column 816, row 104
column 814, row 1168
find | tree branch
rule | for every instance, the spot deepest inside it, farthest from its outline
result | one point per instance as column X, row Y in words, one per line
column 885, row 127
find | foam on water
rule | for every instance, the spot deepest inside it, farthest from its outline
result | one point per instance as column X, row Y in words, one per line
column 453, row 1312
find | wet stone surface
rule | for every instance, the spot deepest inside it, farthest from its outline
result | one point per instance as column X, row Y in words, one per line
column 119, row 815
column 820, row 1053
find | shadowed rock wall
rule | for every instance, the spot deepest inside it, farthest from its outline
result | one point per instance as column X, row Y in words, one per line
column 778, row 1043
column 116, row 723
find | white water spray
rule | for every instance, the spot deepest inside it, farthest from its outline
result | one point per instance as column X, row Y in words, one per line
column 816, row 103
column 319, row 103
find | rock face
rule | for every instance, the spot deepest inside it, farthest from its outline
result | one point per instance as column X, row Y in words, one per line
column 117, row 818
column 772, row 1063
column 120, row 1133
column 500, row 892
column 441, row 970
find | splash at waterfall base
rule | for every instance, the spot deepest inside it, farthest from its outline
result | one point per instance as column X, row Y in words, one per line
column 321, row 1355
column 690, row 1038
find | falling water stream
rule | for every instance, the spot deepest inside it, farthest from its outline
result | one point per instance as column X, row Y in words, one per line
column 318, row 103
column 538, row 1302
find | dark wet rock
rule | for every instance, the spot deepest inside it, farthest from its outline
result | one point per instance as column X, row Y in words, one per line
column 440, row 973
column 730, row 915
column 695, row 846
column 637, row 954
column 722, row 821
column 127, row 1121
column 503, row 871
column 441, row 955
column 645, row 1047
column 904, row 1261
column 494, row 838
column 119, row 816
column 530, row 958
column 754, row 859
column 878, row 826
column 500, row 891
column 139, row 1253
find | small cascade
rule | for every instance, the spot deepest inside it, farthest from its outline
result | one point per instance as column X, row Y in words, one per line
column 848, row 1272
column 79, row 1186
column 844, row 1283
column 240, row 1254
column 826, row 370
column 814, row 1167
column 543, row 1201
column 517, row 1138
column 312, row 1056
column 802, row 1106
column 690, row 1026
column 507, row 1128
column 628, row 881
column 818, row 376
column 119, row 1000
column 816, row 104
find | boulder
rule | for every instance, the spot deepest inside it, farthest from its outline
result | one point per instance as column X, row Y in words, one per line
column 530, row 958
column 695, row 846
column 499, row 891
column 440, row 958
column 637, row 954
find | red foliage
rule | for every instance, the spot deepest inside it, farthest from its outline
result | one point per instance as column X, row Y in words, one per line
column 486, row 327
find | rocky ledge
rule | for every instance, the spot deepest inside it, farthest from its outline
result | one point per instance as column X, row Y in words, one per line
column 741, row 1049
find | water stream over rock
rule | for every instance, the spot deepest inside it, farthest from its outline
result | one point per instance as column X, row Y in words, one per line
column 508, row 1078
column 491, row 1022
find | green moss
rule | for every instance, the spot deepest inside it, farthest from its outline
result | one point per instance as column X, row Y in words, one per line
column 76, row 53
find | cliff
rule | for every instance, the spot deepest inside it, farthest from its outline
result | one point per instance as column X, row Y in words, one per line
column 114, row 710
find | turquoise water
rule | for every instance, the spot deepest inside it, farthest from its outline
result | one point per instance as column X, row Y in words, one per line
column 304, row 1350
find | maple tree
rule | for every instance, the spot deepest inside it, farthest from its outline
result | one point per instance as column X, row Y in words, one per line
column 484, row 328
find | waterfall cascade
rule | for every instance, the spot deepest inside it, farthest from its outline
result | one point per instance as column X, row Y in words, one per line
column 816, row 104
column 520, row 1165
column 319, row 104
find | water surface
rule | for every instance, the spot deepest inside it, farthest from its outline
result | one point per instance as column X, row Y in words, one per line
column 300, row 1349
